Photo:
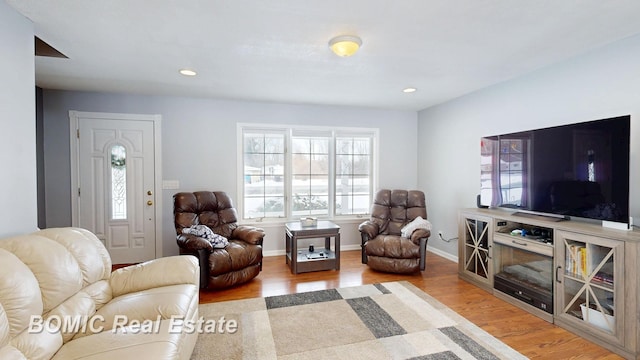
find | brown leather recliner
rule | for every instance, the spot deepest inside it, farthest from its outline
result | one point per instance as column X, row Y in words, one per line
column 237, row 263
column 383, row 247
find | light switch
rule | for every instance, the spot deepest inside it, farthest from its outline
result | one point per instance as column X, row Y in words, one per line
column 170, row 184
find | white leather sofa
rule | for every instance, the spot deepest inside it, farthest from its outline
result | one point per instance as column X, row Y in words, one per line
column 60, row 300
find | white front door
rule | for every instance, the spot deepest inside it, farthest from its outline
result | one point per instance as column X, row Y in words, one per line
column 116, row 195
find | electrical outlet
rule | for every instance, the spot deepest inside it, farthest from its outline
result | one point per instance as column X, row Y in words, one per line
column 440, row 235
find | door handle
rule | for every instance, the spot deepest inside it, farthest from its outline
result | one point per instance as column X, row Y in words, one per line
column 149, row 193
column 149, row 202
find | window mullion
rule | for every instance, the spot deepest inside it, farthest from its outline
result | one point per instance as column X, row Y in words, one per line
column 332, row 174
column 288, row 196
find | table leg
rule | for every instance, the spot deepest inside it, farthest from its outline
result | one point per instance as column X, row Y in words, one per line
column 294, row 254
column 287, row 245
column 337, row 251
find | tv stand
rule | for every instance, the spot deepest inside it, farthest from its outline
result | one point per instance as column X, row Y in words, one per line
column 589, row 272
column 539, row 217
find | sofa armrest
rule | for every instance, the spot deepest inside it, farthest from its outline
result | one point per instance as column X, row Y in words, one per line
column 369, row 228
column 249, row 234
column 420, row 234
column 172, row 270
column 193, row 243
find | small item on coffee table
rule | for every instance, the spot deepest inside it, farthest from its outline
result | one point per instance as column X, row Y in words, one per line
column 309, row 221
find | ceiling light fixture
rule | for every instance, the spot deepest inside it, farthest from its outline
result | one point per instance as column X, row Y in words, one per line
column 409, row 90
column 188, row 72
column 345, row 45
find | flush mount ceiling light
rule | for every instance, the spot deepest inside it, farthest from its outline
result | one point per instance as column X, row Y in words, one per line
column 409, row 90
column 187, row 72
column 345, row 45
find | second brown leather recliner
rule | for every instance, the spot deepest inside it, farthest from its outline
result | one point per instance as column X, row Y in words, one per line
column 236, row 263
column 383, row 247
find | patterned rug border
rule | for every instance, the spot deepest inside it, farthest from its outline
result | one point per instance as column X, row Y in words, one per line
column 364, row 321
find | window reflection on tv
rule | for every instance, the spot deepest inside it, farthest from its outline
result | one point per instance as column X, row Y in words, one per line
column 577, row 170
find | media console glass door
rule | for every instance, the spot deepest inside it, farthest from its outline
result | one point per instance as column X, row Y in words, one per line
column 590, row 282
column 524, row 275
column 476, row 249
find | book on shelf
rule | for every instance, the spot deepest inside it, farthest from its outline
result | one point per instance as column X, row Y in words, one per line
column 576, row 257
column 604, row 278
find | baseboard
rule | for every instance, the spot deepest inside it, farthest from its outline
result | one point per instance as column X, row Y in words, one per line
column 282, row 252
column 438, row 252
column 443, row 254
column 273, row 253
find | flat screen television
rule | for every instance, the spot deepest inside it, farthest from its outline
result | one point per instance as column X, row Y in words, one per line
column 578, row 170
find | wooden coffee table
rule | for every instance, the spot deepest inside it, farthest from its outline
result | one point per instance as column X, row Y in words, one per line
column 321, row 258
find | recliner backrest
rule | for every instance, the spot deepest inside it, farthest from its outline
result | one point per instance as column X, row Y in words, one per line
column 211, row 208
column 393, row 209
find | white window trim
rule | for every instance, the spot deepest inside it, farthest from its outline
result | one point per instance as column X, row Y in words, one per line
column 374, row 133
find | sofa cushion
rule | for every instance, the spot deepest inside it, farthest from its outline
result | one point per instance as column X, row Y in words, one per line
column 392, row 246
column 152, row 274
column 20, row 296
column 398, row 266
column 110, row 345
column 236, row 256
column 58, row 274
column 168, row 301
column 85, row 248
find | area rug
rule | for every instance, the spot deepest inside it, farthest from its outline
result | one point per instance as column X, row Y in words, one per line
column 393, row 320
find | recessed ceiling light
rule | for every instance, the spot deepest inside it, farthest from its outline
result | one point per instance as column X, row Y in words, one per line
column 409, row 90
column 187, row 72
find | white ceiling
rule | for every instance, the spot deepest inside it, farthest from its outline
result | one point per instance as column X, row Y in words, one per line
column 277, row 50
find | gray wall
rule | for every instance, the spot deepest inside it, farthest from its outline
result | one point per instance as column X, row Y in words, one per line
column 601, row 84
column 17, row 124
column 199, row 146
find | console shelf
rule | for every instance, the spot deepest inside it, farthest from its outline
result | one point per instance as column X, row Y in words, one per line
column 580, row 276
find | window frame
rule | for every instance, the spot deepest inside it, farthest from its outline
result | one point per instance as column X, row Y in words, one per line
column 291, row 131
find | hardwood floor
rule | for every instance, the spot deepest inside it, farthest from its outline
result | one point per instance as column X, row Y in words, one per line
column 531, row 336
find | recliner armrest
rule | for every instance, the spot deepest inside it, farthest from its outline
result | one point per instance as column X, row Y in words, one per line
column 166, row 271
column 193, row 243
column 369, row 228
column 419, row 234
column 249, row 234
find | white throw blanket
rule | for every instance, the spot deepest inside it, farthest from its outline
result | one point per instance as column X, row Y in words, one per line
column 417, row 223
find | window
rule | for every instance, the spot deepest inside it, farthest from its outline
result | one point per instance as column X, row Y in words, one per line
column 292, row 172
column 310, row 176
column 263, row 172
column 353, row 173
column 118, row 183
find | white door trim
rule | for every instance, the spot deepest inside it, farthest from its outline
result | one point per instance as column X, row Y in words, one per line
column 74, row 118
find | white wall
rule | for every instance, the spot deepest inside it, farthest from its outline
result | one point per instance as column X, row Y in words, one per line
column 18, row 214
column 199, row 146
column 601, row 84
